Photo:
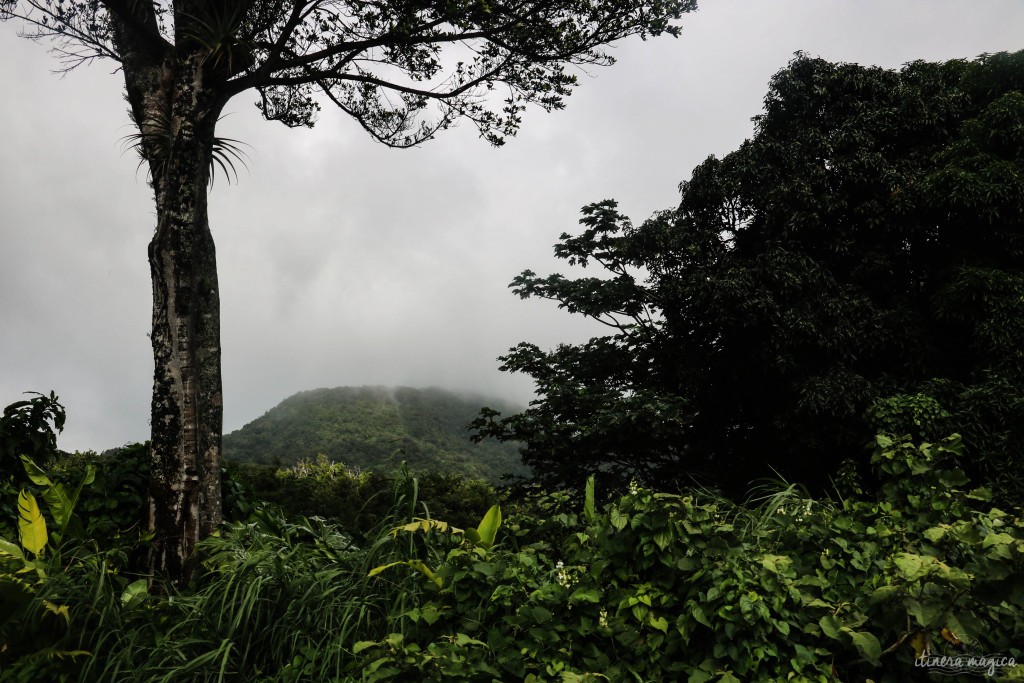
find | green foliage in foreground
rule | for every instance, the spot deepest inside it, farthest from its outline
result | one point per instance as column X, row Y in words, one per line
column 659, row 587
column 357, row 501
column 646, row 587
column 274, row 593
column 27, row 428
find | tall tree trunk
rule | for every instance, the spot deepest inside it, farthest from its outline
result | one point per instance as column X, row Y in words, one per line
column 184, row 493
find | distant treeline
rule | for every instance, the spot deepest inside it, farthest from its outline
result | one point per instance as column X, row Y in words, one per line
column 377, row 428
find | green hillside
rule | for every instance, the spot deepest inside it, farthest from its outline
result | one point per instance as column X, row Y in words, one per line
column 377, row 428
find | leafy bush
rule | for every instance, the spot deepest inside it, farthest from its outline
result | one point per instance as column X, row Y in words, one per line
column 114, row 506
column 279, row 600
column 648, row 586
column 28, row 428
column 359, row 501
column 667, row 587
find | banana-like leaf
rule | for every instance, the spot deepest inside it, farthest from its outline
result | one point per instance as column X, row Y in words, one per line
column 487, row 531
column 425, row 570
column 31, row 524
column 378, row 570
column 72, row 503
column 135, row 590
column 35, row 472
column 425, row 525
column 415, row 564
column 8, row 549
column 588, row 504
column 60, row 505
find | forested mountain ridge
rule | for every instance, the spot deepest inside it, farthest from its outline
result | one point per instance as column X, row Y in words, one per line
column 375, row 427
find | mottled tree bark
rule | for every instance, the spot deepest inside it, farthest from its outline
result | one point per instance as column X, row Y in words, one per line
column 176, row 112
column 184, row 493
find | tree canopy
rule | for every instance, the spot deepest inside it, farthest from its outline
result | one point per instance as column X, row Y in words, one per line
column 857, row 265
column 403, row 69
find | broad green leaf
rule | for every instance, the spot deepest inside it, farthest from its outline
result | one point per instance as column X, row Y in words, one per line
column 426, row 571
column 884, row 594
column 830, row 626
column 588, row 503
column 585, row 595
column 660, row 623
column 489, row 525
column 997, row 539
column 463, row 639
column 618, row 519
column 363, row 645
column 415, row 564
column 430, row 614
column 90, row 477
column 698, row 614
column 541, row 615
column 980, row 494
column 911, row 566
column 867, row 644
column 486, row 569
column 136, row 590
column 60, row 505
column 34, row 472
column 927, row 613
column 9, row 549
column 31, row 524
column 686, row 564
column 700, row 676
column 776, row 563
column 953, row 478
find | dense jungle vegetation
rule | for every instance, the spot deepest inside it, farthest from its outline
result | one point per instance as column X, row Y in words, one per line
column 796, row 457
column 376, row 428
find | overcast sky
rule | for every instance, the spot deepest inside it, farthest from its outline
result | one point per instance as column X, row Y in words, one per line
column 343, row 262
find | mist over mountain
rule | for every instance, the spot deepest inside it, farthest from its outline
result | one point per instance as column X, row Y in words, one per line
column 373, row 427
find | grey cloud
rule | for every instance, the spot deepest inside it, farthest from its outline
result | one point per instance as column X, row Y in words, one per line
column 343, row 262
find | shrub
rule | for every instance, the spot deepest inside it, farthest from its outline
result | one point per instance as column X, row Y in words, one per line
column 668, row 587
column 359, row 501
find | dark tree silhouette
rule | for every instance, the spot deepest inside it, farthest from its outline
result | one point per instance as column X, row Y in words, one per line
column 403, row 69
column 857, row 265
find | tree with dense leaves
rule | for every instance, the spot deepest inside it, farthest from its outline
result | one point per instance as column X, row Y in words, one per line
column 404, row 70
column 857, row 265
column 29, row 427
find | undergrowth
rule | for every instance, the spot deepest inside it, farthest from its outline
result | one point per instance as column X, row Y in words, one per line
column 646, row 586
